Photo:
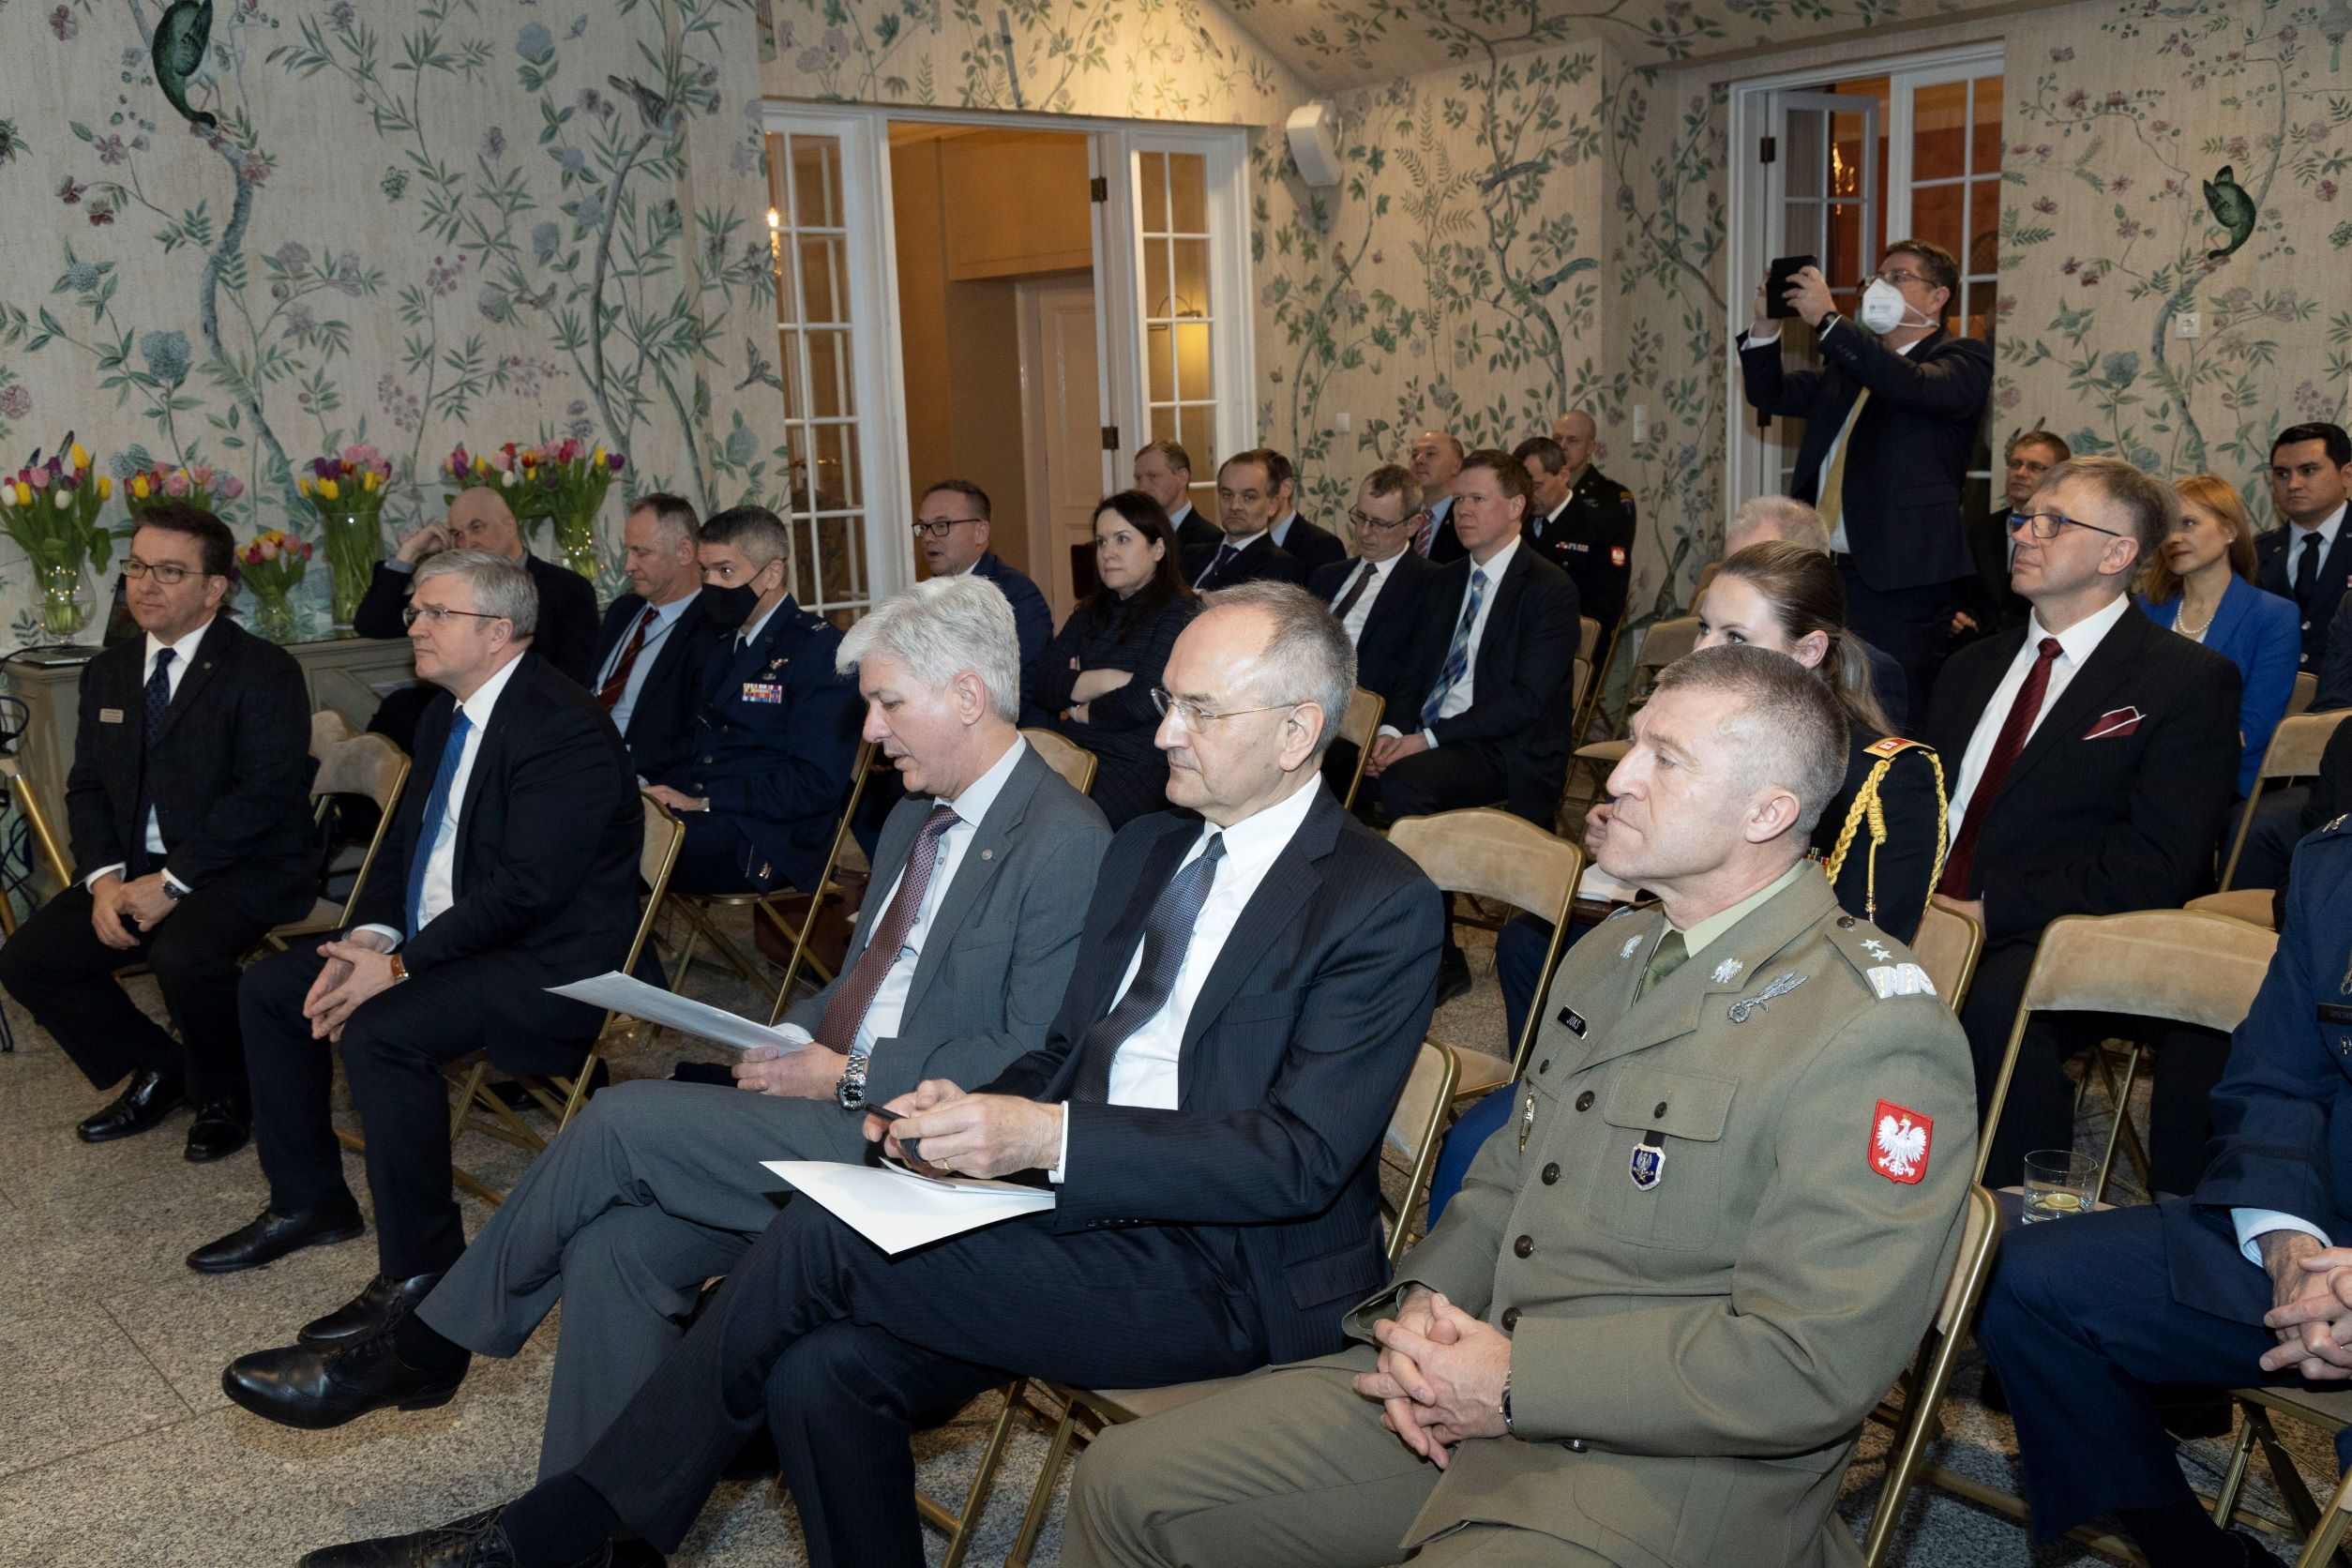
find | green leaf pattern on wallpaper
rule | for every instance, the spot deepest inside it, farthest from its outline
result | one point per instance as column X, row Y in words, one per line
column 460, row 221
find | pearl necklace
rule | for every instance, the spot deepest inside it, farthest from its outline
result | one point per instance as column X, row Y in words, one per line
column 2180, row 622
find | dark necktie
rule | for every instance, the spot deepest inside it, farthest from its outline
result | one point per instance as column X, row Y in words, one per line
column 1426, row 533
column 2307, row 571
column 159, row 703
column 1216, row 565
column 616, row 685
column 1355, row 591
column 1167, row 934
column 2006, row 747
column 837, row 1029
column 436, row 810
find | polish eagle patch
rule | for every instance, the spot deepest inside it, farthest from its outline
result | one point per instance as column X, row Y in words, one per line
column 1899, row 1140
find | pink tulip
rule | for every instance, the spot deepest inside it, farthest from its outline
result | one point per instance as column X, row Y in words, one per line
column 40, row 478
column 231, row 487
column 176, row 484
column 202, row 474
column 267, row 548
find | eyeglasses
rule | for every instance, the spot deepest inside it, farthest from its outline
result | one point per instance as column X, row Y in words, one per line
column 2044, row 526
column 1192, row 715
column 170, row 573
column 1900, row 276
column 440, row 614
column 939, row 530
column 1362, row 519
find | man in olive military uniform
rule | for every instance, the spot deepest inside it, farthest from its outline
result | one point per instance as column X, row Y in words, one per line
column 1707, row 1242
column 1582, row 521
column 763, row 785
column 2089, row 1319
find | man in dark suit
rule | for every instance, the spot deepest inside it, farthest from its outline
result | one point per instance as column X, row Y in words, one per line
column 188, row 802
column 657, row 1186
column 2310, row 560
column 1582, row 519
column 951, row 529
column 479, row 518
column 1988, row 603
column 2091, row 755
column 1377, row 596
column 1892, row 424
column 1163, row 471
column 511, row 867
column 1249, row 995
column 767, row 767
column 2089, row 1322
column 1315, row 547
column 647, row 649
column 1248, row 499
column 1436, row 459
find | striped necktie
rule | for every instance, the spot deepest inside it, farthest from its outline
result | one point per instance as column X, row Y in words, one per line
column 1458, row 657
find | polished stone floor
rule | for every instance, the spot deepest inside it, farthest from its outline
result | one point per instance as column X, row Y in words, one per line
column 117, row 1447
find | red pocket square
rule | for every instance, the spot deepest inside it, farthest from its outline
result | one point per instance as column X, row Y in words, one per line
column 2120, row 721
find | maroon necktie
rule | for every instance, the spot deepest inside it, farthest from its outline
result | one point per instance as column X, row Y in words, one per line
column 837, row 1029
column 2006, row 747
column 614, row 689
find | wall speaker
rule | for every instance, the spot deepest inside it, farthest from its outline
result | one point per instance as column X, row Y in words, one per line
column 1315, row 142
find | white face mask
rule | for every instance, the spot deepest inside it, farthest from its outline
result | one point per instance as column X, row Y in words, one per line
column 1883, row 307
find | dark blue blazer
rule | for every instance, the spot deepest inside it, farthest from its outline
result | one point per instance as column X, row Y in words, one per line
column 663, row 722
column 2274, row 572
column 2256, row 631
column 2283, row 1112
column 1032, row 623
column 1293, row 1054
column 779, row 770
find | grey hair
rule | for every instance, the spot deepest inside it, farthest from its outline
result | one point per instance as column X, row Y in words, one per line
column 500, row 587
column 1779, row 516
column 1308, row 649
column 756, row 532
column 941, row 629
column 1789, row 729
column 673, row 514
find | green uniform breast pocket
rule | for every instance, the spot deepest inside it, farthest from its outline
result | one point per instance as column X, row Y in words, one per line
column 1661, row 1178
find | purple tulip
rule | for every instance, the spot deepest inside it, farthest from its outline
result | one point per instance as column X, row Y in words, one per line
column 615, row 459
column 323, row 468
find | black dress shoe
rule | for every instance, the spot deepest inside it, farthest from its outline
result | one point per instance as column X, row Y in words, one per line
column 220, row 1129
column 272, row 1235
column 147, row 1099
column 476, row 1541
column 316, row 1388
column 383, row 1303
column 634, row 1553
column 1454, row 975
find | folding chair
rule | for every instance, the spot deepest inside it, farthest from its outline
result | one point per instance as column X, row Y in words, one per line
column 1588, row 638
column 2294, row 752
column 2330, row 1412
column 1357, row 727
column 697, row 909
column 2306, row 688
column 349, row 764
column 560, row 1095
column 45, row 845
column 1493, row 855
column 1948, row 946
column 1584, row 713
column 1073, row 761
column 1661, row 645
column 2171, row 964
column 1930, row 1372
column 1411, row 1143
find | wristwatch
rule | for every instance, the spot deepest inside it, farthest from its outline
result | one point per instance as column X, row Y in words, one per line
column 850, row 1092
column 172, row 891
column 1509, row 1430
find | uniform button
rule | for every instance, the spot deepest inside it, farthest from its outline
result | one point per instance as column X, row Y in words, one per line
column 1551, row 1174
column 1524, row 1245
column 1584, row 1101
column 1661, row 1110
column 1845, row 922
column 708, row 759
column 1545, row 1065
column 1510, row 1318
column 1573, row 1445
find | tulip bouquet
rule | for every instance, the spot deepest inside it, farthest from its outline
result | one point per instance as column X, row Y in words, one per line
column 564, row 483
column 347, row 493
column 467, row 470
column 272, row 566
column 51, row 510
column 199, row 486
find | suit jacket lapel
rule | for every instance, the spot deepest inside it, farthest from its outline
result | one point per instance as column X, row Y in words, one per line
column 2237, row 604
column 975, row 868
column 210, row 650
column 2110, row 664
column 486, row 758
column 1505, row 604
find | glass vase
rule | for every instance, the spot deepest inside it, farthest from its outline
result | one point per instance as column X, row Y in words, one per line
column 66, row 599
column 355, row 543
column 274, row 619
column 575, row 543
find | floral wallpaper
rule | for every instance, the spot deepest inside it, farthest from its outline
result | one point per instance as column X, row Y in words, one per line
column 456, row 222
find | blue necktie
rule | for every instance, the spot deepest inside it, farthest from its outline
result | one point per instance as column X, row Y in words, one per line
column 1167, row 934
column 159, row 703
column 1458, row 657
column 436, row 812
column 1225, row 553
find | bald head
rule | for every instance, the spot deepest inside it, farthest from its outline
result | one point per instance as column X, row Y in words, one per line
column 479, row 518
column 1576, row 432
column 1436, row 458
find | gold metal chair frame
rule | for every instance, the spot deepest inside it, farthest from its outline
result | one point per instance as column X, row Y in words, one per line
column 314, row 924
column 1357, row 727
column 2294, row 752
column 1074, row 762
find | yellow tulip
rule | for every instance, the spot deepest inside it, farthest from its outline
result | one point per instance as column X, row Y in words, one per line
column 596, row 458
column 106, row 488
column 81, row 457
column 23, row 493
column 367, row 481
column 139, row 487
column 327, row 489
column 303, row 485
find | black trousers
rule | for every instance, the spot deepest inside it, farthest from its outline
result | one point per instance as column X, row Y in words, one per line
column 1444, row 779
column 393, row 1047
column 716, row 857
column 1913, row 624
column 835, row 1344
column 64, row 975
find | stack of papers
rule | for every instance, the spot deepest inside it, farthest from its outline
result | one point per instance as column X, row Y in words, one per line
column 624, row 994
column 897, row 1209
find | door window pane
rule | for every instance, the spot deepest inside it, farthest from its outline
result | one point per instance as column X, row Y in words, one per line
column 1179, row 314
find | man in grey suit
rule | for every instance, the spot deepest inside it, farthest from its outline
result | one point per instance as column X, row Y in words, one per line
column 981, row 883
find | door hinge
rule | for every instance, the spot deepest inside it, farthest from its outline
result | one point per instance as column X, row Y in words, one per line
column 1098, row 188
column 1110, row 438
column 1767, row 150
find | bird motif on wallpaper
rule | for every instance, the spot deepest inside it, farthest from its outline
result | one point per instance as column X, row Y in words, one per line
column 2233, row 209
column 1502, row 177
column 1542, row 287
column 653, row 107
column 179, row 53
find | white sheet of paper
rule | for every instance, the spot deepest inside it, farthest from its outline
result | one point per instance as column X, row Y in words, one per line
column 1600, row 886
column 624, row 994
column 897, row 1209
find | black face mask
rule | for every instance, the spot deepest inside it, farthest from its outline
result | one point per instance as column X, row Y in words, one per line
column 728, row 608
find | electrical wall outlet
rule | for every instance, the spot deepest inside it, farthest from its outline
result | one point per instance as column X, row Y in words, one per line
column 1641, row 423
column 1344, row 422
column 2189, row 323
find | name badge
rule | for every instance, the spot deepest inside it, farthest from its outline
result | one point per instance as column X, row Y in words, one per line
column 758, row 691
column 1572, row 1022
column 110, row 716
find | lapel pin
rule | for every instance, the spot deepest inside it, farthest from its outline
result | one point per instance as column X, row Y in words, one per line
column 1781, row 986
column 987, row 854
column 1729, row 970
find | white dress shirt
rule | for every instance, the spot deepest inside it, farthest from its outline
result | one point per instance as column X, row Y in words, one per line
column 666, row 618
column 1361, row 610
column 441, row 870
column 1144, row 1072
column 2076, row 643
column 1460, row 695
column 183, row 655
column 890, row 999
